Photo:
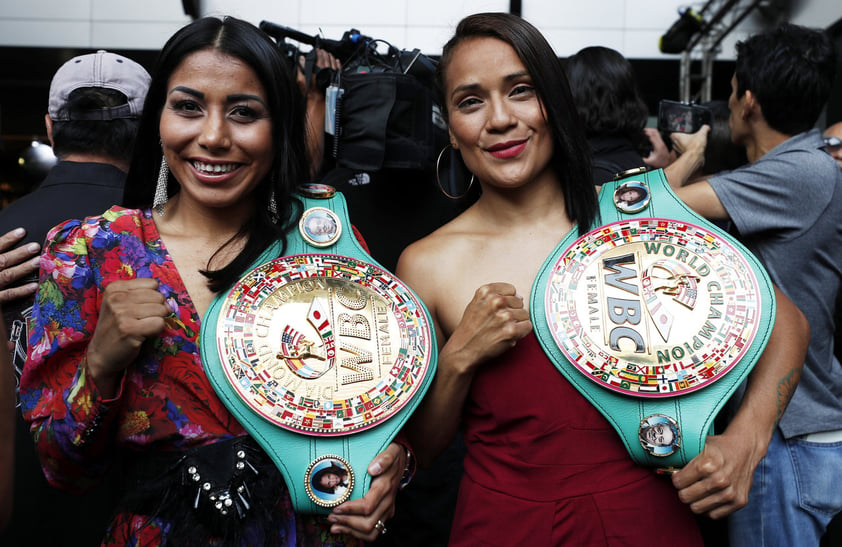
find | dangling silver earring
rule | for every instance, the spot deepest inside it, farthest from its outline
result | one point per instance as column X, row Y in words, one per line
column 161, row 196
column 273, row 207
column 451, row 171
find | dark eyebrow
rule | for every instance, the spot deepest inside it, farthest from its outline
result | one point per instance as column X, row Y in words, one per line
column 187, row 90
column 507, row 78
column 245, row 97
column 466, row 87
column 516, row 75
column 231, row 98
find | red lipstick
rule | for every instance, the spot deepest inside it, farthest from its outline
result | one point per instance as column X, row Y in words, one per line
column 508, row 149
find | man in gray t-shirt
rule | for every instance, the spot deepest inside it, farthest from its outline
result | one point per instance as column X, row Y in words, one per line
column 786, row 206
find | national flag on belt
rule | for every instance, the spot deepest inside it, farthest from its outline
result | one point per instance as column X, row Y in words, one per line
column 318, row 317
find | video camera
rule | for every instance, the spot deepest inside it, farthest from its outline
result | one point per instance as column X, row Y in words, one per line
column 381, row 106
column 352, row 40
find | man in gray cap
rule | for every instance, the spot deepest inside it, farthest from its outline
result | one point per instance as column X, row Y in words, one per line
column 94, row 105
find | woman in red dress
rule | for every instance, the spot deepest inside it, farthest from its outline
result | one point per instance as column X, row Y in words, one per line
column 543, row 467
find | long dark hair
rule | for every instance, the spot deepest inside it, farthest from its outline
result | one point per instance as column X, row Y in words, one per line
column 246, row 42
column 571, row 156
column 606, row 93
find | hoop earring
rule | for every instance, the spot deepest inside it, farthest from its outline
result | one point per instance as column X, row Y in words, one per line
column 438, row 179
column 161, row 196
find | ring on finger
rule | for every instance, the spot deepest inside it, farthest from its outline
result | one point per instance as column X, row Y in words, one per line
column 380, row 527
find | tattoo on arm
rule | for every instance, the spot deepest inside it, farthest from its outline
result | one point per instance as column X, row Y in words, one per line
column 786, row 387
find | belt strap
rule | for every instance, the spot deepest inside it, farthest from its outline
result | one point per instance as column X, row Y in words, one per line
column 321, row 354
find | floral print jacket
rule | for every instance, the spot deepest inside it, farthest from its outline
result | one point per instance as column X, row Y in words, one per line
column 164, row 401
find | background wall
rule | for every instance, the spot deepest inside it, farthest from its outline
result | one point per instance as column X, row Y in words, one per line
column 630, row 26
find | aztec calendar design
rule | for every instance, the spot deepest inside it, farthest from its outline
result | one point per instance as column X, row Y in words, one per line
column 323, row 344
column 652, row 307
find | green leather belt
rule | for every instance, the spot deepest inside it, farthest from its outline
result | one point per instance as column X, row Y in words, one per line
column 321, row 354
column 656, row 316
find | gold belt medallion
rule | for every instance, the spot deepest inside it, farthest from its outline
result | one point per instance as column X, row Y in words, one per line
column 652, row 307
column 323, row 344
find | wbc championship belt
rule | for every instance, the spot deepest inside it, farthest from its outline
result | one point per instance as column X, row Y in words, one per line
column 655, row 315
column 321, row 354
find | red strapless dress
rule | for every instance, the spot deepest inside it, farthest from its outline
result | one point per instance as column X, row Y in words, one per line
column 544, row 468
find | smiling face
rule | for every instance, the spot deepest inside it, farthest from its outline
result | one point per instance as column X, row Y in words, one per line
column 329, row 481
column 659, row 435
column 630, row 195
column 496, row 119
column 216, row 131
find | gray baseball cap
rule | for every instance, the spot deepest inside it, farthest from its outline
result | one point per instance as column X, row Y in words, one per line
column 101, row 69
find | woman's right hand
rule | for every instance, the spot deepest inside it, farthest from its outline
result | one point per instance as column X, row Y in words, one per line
column 491, row 324
column 131, row 311
column 494, row 320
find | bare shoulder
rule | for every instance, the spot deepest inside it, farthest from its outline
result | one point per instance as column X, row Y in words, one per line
column 424, row 264
column 428, row 253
